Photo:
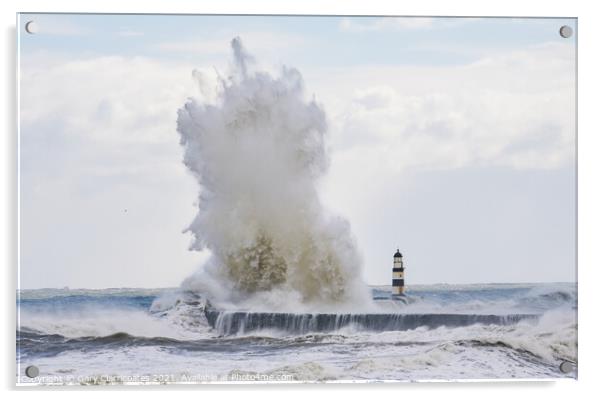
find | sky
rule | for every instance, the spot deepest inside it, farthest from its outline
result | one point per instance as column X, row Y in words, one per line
column 450, row 138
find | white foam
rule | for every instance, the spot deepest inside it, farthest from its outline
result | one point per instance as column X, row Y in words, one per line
column 257, row 152
column 95, row 321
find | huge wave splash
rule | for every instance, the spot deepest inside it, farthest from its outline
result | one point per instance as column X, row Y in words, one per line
column 257, row 150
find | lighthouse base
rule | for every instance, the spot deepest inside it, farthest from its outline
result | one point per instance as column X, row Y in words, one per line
column 400, row 297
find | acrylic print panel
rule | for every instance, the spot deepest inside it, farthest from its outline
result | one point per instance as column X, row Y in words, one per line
column 295, row 198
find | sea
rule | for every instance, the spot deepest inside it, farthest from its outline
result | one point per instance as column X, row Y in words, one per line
column 170, row 336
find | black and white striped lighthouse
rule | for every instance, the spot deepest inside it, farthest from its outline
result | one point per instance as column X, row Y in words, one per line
column 398, row 283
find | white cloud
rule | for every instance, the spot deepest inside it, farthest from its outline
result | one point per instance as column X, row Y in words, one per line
column 101, row 163
column 503, row 126
column 514, row 109
column 112, row 99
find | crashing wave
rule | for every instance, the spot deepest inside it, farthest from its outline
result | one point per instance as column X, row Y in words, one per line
column 257, row 153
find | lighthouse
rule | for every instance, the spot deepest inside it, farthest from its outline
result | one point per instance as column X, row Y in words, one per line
column 398, row 283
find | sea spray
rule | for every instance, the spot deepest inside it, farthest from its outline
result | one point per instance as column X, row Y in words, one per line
column 257, row 151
